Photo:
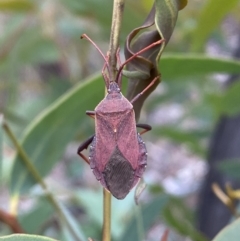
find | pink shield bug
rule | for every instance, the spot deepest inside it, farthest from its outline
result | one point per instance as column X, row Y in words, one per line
column 117, row 155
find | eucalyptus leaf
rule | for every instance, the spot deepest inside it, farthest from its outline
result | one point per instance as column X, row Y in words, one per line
column 230, row 232
column 210, row 17
column 25, row 237
column 47, row 136
column 175, row 66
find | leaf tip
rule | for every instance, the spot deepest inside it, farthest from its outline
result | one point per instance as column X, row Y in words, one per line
column 182, row 4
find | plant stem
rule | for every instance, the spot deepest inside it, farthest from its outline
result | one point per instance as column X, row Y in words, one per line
column 27, row 162
column 106, row 235
column 118, row 8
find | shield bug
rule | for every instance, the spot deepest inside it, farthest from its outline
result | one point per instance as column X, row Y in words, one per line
column 117, row 155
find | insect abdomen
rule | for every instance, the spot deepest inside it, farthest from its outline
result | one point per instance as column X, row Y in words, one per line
column 118, row 175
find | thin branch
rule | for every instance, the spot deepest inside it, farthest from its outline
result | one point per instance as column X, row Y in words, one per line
column 165, row 235
column 11, row 221
column 118, row 9
column 106, row 235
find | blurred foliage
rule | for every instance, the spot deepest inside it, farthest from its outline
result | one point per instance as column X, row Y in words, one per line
column 230, row 167
column 207, row 23
column 48, row 80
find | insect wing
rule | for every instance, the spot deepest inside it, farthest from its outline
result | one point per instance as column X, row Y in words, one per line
column 105, row 142
column 127, row 139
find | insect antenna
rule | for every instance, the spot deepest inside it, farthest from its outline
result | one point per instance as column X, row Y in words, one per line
column 104, row 57
column 136, row 54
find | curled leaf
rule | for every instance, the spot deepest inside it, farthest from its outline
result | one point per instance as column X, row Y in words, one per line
column 158, row 25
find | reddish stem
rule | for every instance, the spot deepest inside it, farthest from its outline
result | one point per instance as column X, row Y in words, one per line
column 11, row 221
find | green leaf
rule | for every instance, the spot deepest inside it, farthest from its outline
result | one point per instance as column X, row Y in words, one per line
column 17, row 5
column 25, row 237
column 47, row 136
column 185, row 65
column 230, row 167
column 149, row 214
column 230, row 232
column 212, row 14
column 42, row 210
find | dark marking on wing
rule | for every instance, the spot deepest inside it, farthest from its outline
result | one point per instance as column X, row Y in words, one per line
column 118, row 175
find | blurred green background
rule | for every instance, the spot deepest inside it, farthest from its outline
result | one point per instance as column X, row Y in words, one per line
column 49, row 78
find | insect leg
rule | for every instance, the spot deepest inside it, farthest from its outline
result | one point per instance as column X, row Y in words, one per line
column 137, row 54
column 83, row 146
column 119, row 80
column 91, row 113
column 146, row 128
column 118, row 57
column 141, row 93
column 105, row 77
